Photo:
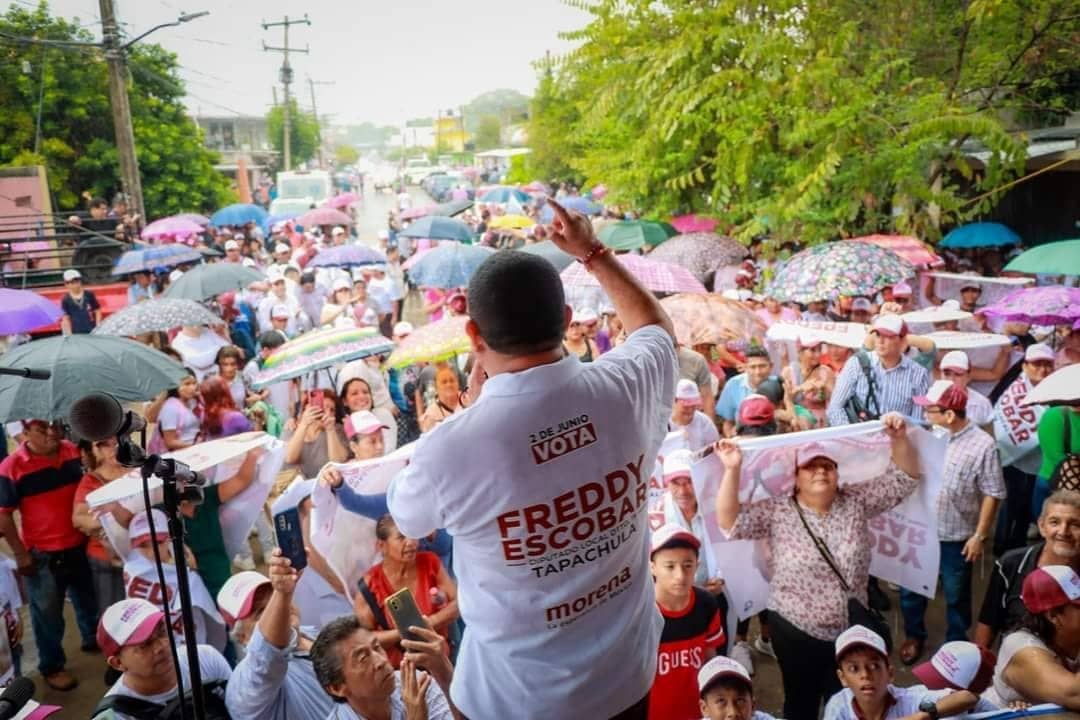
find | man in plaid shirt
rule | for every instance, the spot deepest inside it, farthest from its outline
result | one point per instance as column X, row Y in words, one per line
column 971, row 487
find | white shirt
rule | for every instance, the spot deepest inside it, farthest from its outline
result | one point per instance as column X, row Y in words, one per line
column 550, row 530
column 907, row 703
column 318, row 602
column 979, row 410
column 437, row 707
column 199, row 353
column 699, row 432
column 382, row 293
column 1000, row 693
column 279, row 395
column 212, row 667
column 267, row 305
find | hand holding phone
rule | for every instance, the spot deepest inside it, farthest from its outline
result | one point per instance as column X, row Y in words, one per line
column 290, row 538
column 402, row 608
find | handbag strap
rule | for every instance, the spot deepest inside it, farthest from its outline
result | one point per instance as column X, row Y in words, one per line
column 871, row 384
column 822, row 548
column 373, row 604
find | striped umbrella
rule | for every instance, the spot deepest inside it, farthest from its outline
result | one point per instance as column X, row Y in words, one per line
column 654, row 275
column 437, row 341
column 318, row 350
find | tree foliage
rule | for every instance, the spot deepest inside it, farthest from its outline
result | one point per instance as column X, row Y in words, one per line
column 303, row 131
column 346, row 155
column 508, row 106
column 488, row 132
column 77, row 143
column 806, row 119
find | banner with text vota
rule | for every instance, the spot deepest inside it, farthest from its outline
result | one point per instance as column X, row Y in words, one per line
column 590, row 526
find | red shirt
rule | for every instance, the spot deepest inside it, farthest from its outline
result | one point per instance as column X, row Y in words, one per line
column 94, row 548
column 428, row 566
column 42, row 489
column 688, row 633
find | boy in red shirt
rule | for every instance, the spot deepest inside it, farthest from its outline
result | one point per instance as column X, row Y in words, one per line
column 693, row 628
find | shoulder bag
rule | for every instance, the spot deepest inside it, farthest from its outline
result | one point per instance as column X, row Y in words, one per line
column 862, row 410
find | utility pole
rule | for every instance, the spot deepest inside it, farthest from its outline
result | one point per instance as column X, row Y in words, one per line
column 315, row 112
column 130, row 180
column 286, row 78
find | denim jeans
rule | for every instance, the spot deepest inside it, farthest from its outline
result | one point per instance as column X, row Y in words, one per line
column 46, row 591
column 955, row 574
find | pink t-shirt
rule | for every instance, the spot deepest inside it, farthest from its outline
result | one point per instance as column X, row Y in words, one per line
column 432, row 295
column 786, row 315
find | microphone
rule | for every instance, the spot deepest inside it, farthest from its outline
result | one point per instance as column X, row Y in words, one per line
column 98, row 416
column 15, row 696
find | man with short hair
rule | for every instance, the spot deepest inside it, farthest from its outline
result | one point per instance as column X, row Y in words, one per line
column 897, row 378
column 970, row 292
column 758, row 368
column 578, row 444
column 278, row 295
column 82, row 311
column 140, row 289
column 39, row 480
column 693, row 366
column 686, row 415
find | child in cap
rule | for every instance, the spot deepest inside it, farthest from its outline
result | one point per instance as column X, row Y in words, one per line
column 959, row 665
column 693, row 629
column 726, row 692
column 865, row 672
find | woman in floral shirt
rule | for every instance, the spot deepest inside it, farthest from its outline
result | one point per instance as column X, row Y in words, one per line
column 808, row 603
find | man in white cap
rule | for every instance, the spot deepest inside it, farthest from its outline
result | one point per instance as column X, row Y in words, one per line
column 862, row 310
column 338, row 236
column 383, row 293
column 279, row 319
column 82, row 311
column 282, row 254
column 686, row 415
column 956, row 367
column 232, row 252
column 679, row 507
column 726, row 692
column 278, row 295
column 132, row 637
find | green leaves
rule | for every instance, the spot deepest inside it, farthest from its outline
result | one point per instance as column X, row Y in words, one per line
column 303, row 131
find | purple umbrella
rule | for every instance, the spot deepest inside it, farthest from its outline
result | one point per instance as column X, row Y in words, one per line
column 195, row 218
column 324, row 216
column 22, row 311
column 1049, row 305
column 343, row 200
column 347, row 256
column 170, row 227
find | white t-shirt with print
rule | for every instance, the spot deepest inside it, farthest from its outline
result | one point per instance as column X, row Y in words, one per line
column 699, row 432
column 212, row 667
column 544, row 485
column 175, row 415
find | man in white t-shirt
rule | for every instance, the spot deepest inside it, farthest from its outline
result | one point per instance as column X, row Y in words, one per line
column 686, row 415
column 551, row 547
column 132, row 637
column 956, row 367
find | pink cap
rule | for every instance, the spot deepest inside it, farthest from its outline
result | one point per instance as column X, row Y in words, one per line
column 671, row 533
column 945, row 394
column 756, row 410
column 958, row 665
column 139, row 529
column 686, row 391
column 677, row 464
column 807, row 452
column 891, row 325
column 128, row 622
column 901, row 289
column 1049, row 587
column 858, row 635
column 1039, row 352
column 720, row 667
column 955, row 360
column 238, row 594
column 362, row 422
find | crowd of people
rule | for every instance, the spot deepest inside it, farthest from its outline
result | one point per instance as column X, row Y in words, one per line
column 643, row 630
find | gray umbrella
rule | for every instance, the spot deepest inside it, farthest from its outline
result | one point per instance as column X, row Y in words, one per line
column 550, row 252
column 206, row 281
column 157, row 315
column 81, row 364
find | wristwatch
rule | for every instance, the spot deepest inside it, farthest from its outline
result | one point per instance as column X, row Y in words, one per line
column 929, row 707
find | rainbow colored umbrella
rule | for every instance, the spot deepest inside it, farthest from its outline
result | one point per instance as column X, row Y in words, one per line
column 440, row 340
column 319, row 350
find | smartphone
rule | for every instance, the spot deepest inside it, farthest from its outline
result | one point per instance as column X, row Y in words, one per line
column 315, row 398
column 290, row 538
column 402, row 608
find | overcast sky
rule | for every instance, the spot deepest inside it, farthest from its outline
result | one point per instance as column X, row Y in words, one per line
column 389, row 60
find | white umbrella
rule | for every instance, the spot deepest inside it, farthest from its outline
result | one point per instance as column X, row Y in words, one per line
column 1061, row 387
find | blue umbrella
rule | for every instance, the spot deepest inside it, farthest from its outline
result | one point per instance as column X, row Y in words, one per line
column 273, row 220
column 981, row 234
column 148, row 259
column 437, row 227
column 502, row 195
column 448, row 266
column 239, row 214
column 347, row 256
column 585, row 206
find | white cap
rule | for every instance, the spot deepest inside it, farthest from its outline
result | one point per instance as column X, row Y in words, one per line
column 744, row 294
column 293, row 266
column 669, row 533
column 231, row 245
column 282, row 248
column 341, row 283
column 721, row 666
column 957, row 665
column 363, row 422
column 338, row 230
column 1038, row 353
column 358, row 275
column 14, row 428
column 239, row 236
column 955, row 360
column 176, row 275
column 585, row 315
column 862, row 304
column 248, row 262
column 274, row 273
column 677, row 464
column 403, row 328
column 72, row 274
column 238, row 594
column 687, row 391
column 860, row 635
column 128, row 622
column 901, row 289
column 139, row 529
column 280, row 311
column 950, row 304
column 297, row 491
column 890, row 325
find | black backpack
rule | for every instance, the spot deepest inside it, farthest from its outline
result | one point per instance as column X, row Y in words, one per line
column 1066, row 475
column 213, row 694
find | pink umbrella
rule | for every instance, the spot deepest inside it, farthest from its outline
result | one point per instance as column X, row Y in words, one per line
column 654, row 275
column 343, row 200
column 536, row 187
column 417, row 212
column 694, row 223
column 195, row 218
column 912, row 249
column 324, row 216
column 171, row 227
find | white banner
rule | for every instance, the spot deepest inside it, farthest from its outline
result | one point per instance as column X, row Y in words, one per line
column 141, row 581
column 1016, row 427
column 844, row 334
column 905, row 550
column 345, row 539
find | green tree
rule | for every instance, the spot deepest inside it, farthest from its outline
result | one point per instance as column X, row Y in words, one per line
column 346, row 155
column 553, row 111
column 806, row 119
column 509, row 106
column 488, row 132
column 303, row 131
column 77, row 143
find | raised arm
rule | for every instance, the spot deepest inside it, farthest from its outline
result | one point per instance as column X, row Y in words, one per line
column 727, row 497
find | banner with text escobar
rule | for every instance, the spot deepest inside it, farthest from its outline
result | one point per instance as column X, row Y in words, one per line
column 905, row 549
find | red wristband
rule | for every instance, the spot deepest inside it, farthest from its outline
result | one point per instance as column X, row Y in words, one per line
column 597, row 251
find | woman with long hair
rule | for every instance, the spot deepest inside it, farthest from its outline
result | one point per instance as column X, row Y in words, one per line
column 809, row 383
column 316, row 437
column 178, row 420
column 357, row 395
column 106, row 567
column 220, row 418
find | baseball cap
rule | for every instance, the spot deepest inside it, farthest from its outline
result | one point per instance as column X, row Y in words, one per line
column 955, row 360
column 274, row 274
column 1049, row 587
column 806, row 340
column 720, row 667
column 281, row 248
column 1039, row 352
column 585, row 315
column 402, row 328
column 362, row 422
column 669, row 534
column 341, row 283
column 72, row 274
column 901, row 289
column 686, row 391
column 248, row 262
column 13, row 428
column 945, row 394
column 756, row 410
column 971, row 282
column 232, row 245
column 677, row 464
column 279, row 311
column 292, row 266
column 238, row 594
column 139, row 529
column 807, row 452
column 128, row 622
column 859, row 635
column 239, row 236
column 861, row 303
column 958, row 665
column 890, row 325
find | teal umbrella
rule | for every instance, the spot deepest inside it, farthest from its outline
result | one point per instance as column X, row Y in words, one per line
column 634, row 234
column 437, row 227
column 81, row 364
column 203, row 282
column 1056, row 258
